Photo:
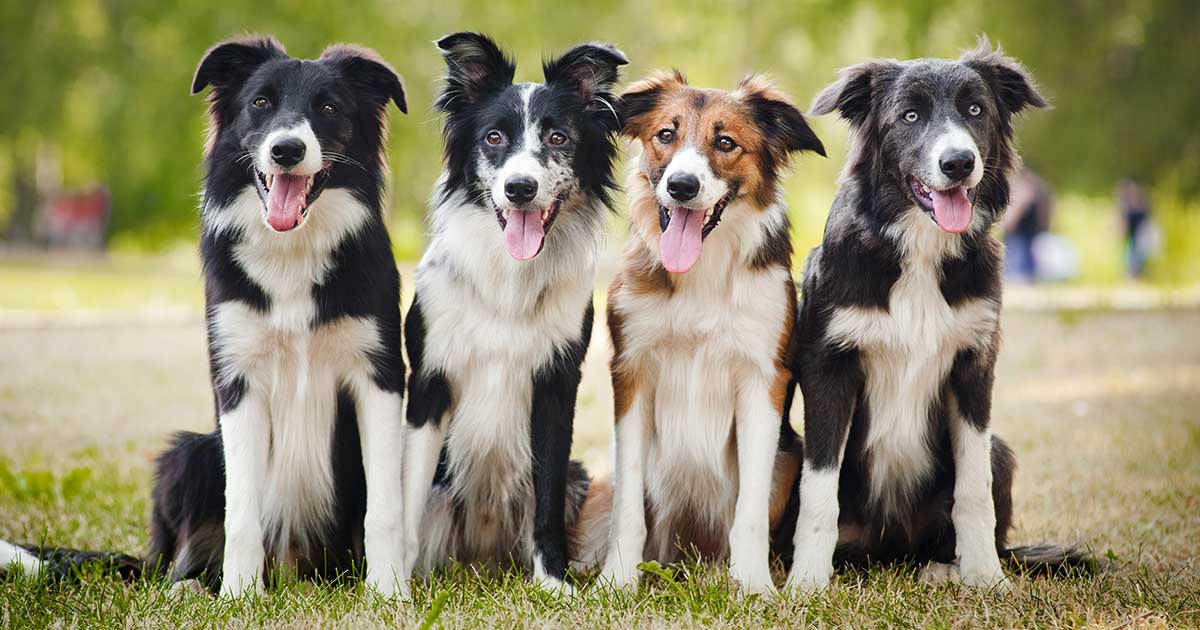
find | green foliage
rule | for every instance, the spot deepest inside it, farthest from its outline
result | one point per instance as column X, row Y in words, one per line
column 103, row 83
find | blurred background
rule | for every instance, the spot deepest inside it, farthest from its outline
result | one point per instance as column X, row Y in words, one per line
column 100, row 141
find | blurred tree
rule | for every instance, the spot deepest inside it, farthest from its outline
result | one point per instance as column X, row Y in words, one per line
column 105, row 82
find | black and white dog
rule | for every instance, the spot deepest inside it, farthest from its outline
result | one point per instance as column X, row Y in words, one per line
column 303, row 311
column 899, row 326
column 302, row 304
column 503, row 311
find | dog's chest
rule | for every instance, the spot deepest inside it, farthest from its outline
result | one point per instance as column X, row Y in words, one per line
column 490, row 327
column 906, row 353
column 699, row 344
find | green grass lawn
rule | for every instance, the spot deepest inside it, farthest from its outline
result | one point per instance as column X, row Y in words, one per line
column 1102, row 408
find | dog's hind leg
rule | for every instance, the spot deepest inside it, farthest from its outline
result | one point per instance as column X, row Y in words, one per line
column 187, row 538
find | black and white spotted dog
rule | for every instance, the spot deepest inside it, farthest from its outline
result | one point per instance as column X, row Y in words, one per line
column 503, row 311
column 302, row 303
column 900, row 326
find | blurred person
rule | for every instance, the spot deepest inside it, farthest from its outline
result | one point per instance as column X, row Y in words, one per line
column 1028, row 215
column 1140, row 233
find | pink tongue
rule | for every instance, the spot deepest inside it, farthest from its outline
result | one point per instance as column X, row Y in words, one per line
column 285, row 200
column 523, row 234
column 952, row 209
column 679, row 245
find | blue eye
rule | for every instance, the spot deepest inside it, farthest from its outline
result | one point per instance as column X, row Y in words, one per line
column 911, row 116
column 974, row 109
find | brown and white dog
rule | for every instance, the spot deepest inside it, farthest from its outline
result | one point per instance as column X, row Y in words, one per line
column 701, row 317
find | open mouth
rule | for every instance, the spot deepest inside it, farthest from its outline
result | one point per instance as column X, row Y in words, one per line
column 684, row 230
column 525, row 230
column 950, row 209
column 286, row 197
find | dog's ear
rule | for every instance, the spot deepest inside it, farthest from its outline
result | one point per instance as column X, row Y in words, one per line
column 368, row 72
column 783, row 126
column 1012, row 85
column 643, row 96
column 476, row 68
column 591, row 71
column 229, row 63
column 852, row 95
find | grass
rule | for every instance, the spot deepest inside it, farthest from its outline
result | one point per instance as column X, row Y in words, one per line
column 1102, row 408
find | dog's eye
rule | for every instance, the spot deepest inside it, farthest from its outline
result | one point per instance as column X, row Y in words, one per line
column 911, row 116
column 494, row 138
column 329, row 109
column 666, row 136
column 557, row 138
column 261, row 102
column 974, row 109
column 726, row 144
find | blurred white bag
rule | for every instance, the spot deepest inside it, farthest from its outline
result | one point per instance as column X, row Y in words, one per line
column 1056, row 258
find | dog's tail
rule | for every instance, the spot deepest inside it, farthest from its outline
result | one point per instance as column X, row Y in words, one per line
column 65, row 564
column 1051, row 559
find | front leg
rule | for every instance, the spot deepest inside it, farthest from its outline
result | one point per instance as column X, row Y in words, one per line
column 974, row 511
column 627, row 531
column 381, row 427
column 245, row 442
column 830, row 385
column 429, row 401
column 552, row 422
column 758, row 417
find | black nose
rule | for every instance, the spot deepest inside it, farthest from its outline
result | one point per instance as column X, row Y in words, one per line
column 683, row 186
column 520, row 189
column 957, row 164
column 288, row 152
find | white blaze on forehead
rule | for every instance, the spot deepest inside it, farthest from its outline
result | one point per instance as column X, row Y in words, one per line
column 953, row 138
column 692, row 161
column 525, row 161
column 312, row 150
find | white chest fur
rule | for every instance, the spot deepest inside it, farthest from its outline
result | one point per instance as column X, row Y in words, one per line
column 491, row 323
column 907, row 352
column 720, row 326
column 292, row 365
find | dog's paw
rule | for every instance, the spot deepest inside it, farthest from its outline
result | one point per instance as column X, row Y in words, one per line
column 936, row 573
column 387, row 584
column 941, row 573
column 241, row 586
column 620, row 575
column 187, row 588
column 554, row 586
column 755, row 581
column 806, row 583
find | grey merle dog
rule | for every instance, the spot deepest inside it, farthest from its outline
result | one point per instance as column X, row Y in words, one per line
column 900, row 325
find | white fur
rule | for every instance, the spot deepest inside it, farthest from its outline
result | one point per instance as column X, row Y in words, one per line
column 381, row 426
column 974, row 512
column 816, row 530
column 757, row 443
column 312, row 161
column 906, row 354
column 628, row 520
column 491, row 323
column 952, row 138
column 692, row 161
column 707, row 353
column 11, row 555
column 277, row 441
column 423, row 447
